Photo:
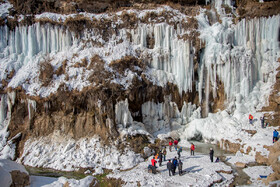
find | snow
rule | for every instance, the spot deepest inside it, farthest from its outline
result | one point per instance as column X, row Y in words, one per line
column 199, row 171
column 62, row 153
column 240, row 157
column 5, row 177
column 37, row 181
column 255, row 172
column 4, row 8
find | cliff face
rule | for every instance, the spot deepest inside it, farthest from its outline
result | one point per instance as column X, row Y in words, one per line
column 135, row 66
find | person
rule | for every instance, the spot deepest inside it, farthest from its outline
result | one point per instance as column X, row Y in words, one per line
column 218, row 159
column 262, row 122
column 211, row 154
column 180, row 167
column 156, row 156
column 154, row 162
column 275, row 136
column 192, row 149
column 179, row 152
column 170, row 167
column 160, row 158
column 153, row 165
column 170, row 145
column 250, row 119
column 164, row 153
column 176, row 144
column 174, row 162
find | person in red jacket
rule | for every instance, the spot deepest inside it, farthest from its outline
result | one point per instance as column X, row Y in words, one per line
column 170, row 145
column 154, row 165
column 192, row 149
column 175, row 144
column 154, row 162
column 250, row 119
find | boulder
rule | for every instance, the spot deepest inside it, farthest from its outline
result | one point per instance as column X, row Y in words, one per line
column 13, row 174
column 240, row 164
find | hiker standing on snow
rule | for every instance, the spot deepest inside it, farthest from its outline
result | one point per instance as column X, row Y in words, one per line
column 174, row 162
column 275, row 136
column 180, row 167
column 192, row 149
column 250, row 119
column 170, row 167
column 154, row 162
column 175, row 144
column 211, row 154
column 160, row 158
column 164, row 153
column 179, row 152
column 262, row 122
column 170, row 145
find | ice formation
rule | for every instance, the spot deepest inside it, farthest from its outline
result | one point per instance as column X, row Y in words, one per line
column 242, row 56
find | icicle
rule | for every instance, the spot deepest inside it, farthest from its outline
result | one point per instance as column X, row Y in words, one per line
column 3, row 109
column 123, row 115
column 31, row 108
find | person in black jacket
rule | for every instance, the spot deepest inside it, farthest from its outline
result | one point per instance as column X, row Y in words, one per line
column 211, row 154
column 180, row 167
column 170, row 167
column 160, row 158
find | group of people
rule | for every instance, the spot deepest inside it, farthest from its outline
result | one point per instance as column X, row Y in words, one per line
column 263, row 125
column 172, row 164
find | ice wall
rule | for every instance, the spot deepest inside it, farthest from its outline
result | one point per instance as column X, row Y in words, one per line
column 20, row 46
column 238, row 55
column 161, row 118
column 171, row 57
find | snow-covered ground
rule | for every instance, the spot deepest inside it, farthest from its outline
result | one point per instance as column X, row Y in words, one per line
column 38, row 181
column 61, row 153
column 256, row 172
column 198, row 171
column 240, row 157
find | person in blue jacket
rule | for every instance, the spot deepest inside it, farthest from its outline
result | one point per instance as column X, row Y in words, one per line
column 175, row 163
column 275, row 136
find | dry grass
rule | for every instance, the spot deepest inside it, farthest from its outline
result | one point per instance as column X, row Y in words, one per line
column 46, row 72
column 128, row 62
column 62, row 69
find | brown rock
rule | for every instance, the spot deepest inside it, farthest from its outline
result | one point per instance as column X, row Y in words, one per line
column 240, row 164
column 261, row 159
column 223, row 171
column 19, row 179
column 232, row 147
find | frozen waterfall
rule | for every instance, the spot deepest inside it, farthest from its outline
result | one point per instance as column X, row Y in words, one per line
column 18, row 47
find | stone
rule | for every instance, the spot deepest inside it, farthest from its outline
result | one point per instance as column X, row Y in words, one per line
column 240, row 164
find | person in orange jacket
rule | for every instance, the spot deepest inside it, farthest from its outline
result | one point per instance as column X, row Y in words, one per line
column 250, row 119
column 192, row 149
